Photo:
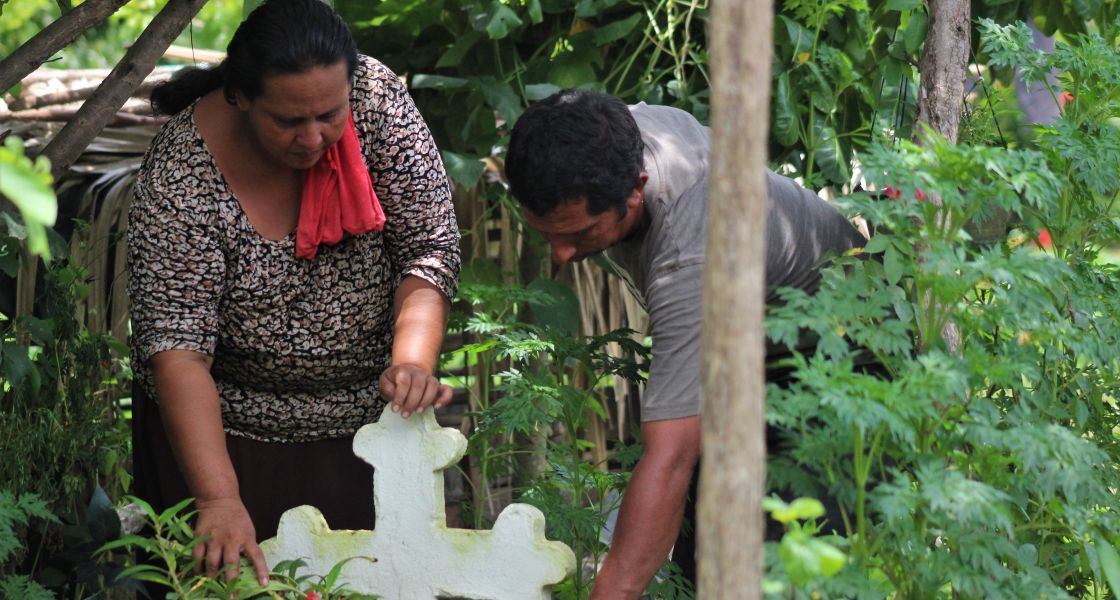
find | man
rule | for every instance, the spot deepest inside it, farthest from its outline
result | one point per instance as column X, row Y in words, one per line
column 596, row 176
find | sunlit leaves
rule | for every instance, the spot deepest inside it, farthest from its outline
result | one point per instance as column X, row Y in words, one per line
column 27, row 184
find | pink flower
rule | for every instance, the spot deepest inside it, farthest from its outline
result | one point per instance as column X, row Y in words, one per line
column 920, row 195
column 892, row 193
column 313, row 596
column 1064, row 98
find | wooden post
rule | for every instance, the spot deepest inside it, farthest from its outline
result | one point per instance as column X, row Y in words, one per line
column 732, row 479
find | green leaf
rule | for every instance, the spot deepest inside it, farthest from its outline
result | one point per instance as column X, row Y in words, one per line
column 464, row 170
column 593, row 8
column 1086, row 10
column 915, row 33
column 829, row 559
column 500, row 96
column 575, row 69
column 540, row 91
column 877, row 244
column 800, row 37
column 805, row 509
column 616, row 30
column 438, row 82
column 785, row 113
column 1110, row 562
column 9, row 259
column 14, row 363
column 458, row 50
column 499, row 21
column 536, row 13
column 561, row 312
column 892, row 265
column 28, row 185
column 829, row 155
column 901, row 5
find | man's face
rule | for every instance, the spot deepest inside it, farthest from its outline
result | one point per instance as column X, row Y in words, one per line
column 574, row 234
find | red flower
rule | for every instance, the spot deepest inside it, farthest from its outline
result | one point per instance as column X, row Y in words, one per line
column 313, row 596
column 894, row 194
column 1043, row 240
column 1064, row 98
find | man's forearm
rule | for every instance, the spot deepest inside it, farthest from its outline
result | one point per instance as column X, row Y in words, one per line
column 648, row 524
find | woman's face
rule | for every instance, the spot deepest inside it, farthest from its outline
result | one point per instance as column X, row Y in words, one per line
column 298, row 116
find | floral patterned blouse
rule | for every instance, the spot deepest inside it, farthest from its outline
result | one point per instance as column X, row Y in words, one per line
column 297, row 345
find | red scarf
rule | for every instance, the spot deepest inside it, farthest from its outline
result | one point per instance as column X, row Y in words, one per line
column 337, row 197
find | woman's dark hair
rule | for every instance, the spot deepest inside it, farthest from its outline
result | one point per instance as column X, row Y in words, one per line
column 278, row 37
column 571, row 145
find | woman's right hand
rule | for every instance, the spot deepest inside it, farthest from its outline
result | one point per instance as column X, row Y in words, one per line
column 227, row 533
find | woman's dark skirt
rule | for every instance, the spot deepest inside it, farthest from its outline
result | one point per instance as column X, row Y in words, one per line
column 272, row 477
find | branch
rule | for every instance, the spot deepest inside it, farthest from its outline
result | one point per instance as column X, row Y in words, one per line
column 111, row 95
column 53, row 38
column 121, row 118
column 76, row 95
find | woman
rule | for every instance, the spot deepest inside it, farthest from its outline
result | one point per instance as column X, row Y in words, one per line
column 279, row 300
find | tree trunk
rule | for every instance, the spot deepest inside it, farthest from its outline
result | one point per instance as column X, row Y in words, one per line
column 53, row 38
column 943, row 67
column 732, row 479
column 111, row 95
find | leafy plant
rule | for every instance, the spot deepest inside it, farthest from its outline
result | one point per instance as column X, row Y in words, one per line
column 804, row 557
column 167, row 549
column 532, row 435
column 473, row 65
column 983, row 469
column 17, row 512
column 27, row 184
column 60, row 432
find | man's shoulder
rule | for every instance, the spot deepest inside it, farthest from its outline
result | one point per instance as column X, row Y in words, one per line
column 650, row 115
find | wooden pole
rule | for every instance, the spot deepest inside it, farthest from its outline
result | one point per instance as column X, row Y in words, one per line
column 733, row 475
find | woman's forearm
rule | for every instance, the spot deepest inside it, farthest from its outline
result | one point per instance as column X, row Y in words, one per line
column 420, row 318
column 192, row 418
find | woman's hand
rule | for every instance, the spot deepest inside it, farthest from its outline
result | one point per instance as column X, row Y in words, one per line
column 228, row 533
column 410, row 389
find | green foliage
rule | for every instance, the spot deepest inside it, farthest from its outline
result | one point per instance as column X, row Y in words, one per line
column 474, row 64
column 169, row 563
column 804, row 557
column 61, row 431
column 105, row 44
column 27, row 184
column 534, row 434
column 982, row 468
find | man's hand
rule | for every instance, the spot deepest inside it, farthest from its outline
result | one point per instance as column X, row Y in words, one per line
column 410, row 389
column 227, row 533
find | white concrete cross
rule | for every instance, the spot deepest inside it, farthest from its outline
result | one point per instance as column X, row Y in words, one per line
column 416, row 556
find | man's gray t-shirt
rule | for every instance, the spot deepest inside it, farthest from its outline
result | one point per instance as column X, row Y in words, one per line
column 665, row 267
